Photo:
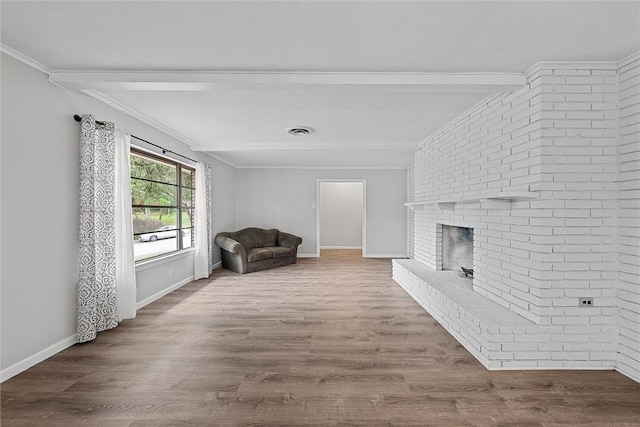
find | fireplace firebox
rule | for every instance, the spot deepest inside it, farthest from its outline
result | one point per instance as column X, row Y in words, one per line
column 457, row 249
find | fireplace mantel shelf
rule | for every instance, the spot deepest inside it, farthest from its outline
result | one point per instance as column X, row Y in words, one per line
column 504, row 196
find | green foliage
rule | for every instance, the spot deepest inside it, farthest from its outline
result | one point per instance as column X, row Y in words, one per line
column 162, row 193
column 187, row 178
column 154, row 183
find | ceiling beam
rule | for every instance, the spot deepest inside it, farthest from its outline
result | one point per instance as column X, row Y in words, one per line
column 206, row 81
column 298, row 145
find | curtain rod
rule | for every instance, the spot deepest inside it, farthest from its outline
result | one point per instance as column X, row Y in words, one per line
column 77, row 118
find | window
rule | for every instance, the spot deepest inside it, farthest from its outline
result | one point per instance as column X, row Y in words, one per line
column 162, row 203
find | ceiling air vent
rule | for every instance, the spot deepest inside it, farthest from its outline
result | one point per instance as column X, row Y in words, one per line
column 299, row 131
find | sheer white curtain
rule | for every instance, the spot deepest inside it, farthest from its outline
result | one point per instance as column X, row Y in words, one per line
column 203, row 261
column 125, row 262
column 106, row 283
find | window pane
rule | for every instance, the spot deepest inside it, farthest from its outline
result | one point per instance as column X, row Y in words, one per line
column 187, row 217
column 187, row 197
column 146, row 220
column 152, row 193
column 187, row 238
column 151, row 169
column 155, row 232
column 187, row 178
column 154, row 198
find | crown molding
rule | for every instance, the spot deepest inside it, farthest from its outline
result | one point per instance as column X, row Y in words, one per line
column 226, row 162
column 28, row 61
column 24, row 59
column 98, row 96
column 629, row 59
column 580, row 65
column 468, row 112
column 139, row 116
column 571, row 65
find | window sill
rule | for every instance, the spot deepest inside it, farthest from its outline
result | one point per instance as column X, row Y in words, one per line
column 154, row 262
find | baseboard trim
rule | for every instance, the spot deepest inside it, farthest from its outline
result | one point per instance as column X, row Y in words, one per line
column 163, row 292
column 340, row 247
column 385, row 256
column 628, row 372
column 217, row 265
column 34, row 359
column 307, row 255
column 63, row 344
column 548, row 368
column 363, row 255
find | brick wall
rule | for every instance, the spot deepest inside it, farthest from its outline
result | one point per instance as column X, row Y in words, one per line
column 628, row 297
column 578, row 206
column 494, row 147
column 410, row 213
column 556, row 140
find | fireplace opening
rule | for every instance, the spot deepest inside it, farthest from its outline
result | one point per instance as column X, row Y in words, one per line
column 457, row 249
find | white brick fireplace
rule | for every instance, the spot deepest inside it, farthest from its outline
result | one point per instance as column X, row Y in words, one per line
column 548, row 178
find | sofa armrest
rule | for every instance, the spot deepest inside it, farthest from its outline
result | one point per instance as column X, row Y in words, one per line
column 288, row 240
column 230, row 245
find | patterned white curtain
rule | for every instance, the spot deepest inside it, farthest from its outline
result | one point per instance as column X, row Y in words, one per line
column 101, row 231
column 203, row 243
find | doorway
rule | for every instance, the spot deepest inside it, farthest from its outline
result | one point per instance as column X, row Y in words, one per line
column 341, row 215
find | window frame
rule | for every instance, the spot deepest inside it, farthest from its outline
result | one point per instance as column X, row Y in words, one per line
column 180, row 208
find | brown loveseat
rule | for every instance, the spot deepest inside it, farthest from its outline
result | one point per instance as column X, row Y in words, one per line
column 253, row 249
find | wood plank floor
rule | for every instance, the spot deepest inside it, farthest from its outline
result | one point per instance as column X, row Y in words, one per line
column 326, row 342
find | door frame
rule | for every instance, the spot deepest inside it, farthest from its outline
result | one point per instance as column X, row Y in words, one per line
column 364, row 211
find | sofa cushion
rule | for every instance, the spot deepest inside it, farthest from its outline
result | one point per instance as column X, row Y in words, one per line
column 281, row 251
column 255, row 237
column 248, row 240
column 257, row 254
column 268, row 238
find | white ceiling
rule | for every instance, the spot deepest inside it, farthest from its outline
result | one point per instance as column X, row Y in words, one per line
column 372, row 78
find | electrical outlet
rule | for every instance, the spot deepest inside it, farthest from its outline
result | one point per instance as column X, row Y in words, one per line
column 585, row 302
column 170, row 272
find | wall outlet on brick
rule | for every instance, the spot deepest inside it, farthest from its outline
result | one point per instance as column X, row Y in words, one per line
column 585, row 302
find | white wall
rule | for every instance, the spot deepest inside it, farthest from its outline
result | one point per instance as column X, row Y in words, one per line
column 283, row 199
column 40, row 218
column 223, row 205
column 340, row 209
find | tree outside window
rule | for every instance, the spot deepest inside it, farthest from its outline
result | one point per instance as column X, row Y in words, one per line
column 163, row 196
